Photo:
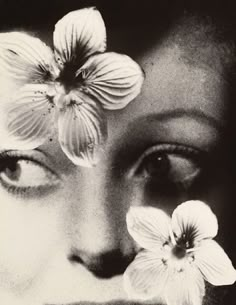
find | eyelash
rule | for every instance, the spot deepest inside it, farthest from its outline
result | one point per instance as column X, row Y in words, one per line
column 165, row 149
column 189, row 153
column 11, row 157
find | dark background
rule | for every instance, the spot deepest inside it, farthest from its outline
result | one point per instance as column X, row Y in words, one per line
column 34, row 15
column 115, row 12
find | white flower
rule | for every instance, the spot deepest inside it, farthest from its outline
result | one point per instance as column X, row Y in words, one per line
column 69, row 87
column 178, row 254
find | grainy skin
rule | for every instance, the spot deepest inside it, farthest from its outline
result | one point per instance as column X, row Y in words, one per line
column 57, row 245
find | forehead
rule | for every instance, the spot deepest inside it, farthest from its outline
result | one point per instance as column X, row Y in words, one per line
column 173, row 84
column 195, row 96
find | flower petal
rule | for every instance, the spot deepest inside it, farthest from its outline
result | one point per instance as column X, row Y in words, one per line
column 28, row 118
column 214, row 264
column 148, row 226
column 146, row 276
column 78, row 35
column 195, row 219
column 113, row 79
column 25, row 59
column 186, row 287
column 82, row 130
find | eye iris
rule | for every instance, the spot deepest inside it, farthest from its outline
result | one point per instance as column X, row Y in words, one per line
column 13, row 171
column 157, row 165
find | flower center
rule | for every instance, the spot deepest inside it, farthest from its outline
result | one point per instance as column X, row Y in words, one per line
column 71, row 78
column 179, row 251
column 61, row 98
column 182, row 245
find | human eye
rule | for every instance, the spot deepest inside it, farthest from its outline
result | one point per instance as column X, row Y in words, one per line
column 169, row 166
column 26, row 173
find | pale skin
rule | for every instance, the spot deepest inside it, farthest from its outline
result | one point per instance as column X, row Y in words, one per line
column 55, row 243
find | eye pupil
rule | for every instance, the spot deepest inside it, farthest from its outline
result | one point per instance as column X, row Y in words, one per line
column 157, row 165
column 13, row 171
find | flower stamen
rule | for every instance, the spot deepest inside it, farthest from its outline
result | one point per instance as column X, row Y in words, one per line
column 179, row 252
column 172, row 236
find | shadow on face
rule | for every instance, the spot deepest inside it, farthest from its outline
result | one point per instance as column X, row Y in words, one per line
column 67, row 239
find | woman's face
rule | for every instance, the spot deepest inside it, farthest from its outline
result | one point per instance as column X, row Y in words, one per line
column 63, row 234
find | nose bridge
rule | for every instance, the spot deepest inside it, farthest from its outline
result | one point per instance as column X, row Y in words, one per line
column 95, row 220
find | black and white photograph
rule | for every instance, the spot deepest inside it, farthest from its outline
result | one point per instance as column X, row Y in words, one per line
column 117, row 152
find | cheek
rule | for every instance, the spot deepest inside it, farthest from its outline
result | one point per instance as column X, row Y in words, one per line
column 29, row 237
column 216, row 193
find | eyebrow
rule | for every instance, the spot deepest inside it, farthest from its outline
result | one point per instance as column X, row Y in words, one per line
column 195, row 114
